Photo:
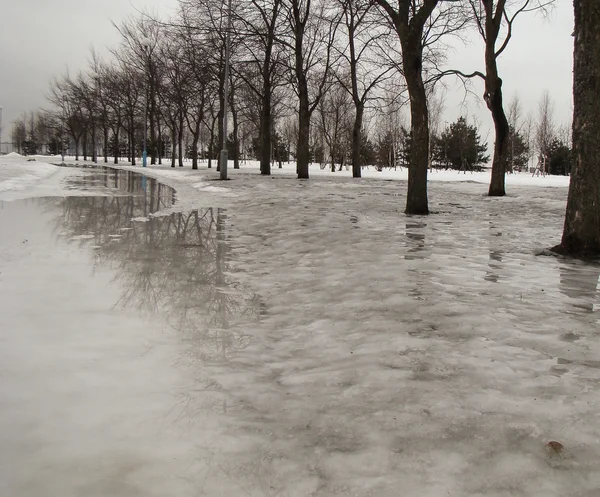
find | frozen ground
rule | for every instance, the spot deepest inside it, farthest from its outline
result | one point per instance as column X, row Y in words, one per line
column 276, row 337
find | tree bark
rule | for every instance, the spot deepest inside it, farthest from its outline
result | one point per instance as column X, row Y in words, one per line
column 356, row 141
column 500, row 160
column 416, row 199
column 265, row 133
column 195, row 139
column 303, row 152
column 159, row 144
column 236, row 137
column 152, row 116
column 94, row 145
column 105, row 143
column 180, row 139
column 173, row 143
column 116, row 142
column 581, row 235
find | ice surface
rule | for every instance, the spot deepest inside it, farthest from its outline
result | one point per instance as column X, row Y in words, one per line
column 298, row 339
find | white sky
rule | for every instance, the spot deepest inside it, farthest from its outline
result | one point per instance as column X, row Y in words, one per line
column 40, row 39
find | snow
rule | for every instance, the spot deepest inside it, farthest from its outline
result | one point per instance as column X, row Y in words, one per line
column 16, row 173
column 270, row 336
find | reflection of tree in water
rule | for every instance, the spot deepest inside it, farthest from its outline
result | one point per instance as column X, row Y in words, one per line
column 175, row 266
column 581, row 283
column 156, row 195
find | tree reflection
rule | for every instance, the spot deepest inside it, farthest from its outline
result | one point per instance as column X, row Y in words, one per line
column 174, row 266
column 581, row 284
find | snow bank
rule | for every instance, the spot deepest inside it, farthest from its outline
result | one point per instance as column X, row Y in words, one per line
column 197, row 178
column 17, row 173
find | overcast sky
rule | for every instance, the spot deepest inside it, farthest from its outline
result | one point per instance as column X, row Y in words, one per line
column 40, row 39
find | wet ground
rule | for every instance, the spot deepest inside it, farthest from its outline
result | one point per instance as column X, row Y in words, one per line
column 303, row 339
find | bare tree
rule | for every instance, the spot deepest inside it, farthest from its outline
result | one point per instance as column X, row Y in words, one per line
column 335, row 124
column 581, row 235
column 261, row 27
column 313, row 29
column 363, row 35
column 418, row 25
column 494, row 20
column 545, row 129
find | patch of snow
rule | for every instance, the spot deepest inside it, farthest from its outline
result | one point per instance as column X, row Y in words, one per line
column 83, row 237
column 19, row 173
column 140, row 219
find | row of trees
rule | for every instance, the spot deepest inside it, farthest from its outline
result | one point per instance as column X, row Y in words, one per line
column 459, row 146
column 299, row 68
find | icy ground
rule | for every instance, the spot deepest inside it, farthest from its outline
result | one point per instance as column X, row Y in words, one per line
column 276, row 337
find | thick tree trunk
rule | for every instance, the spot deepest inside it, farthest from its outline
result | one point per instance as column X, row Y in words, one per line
column 265, row 133
column 356, row 139
column 303, row 150
column 416, row 201
column 581, row 236
column 493, row 99
column 500, row 160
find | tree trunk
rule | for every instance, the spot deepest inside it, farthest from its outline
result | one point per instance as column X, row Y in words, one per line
column 416, row 201
column 152, row 115
column 236, row 139
column 211, row 148
column 356, row 139
column 494, row 102
column 221, row 113
column 581, row 235
column 116, row 143
column 94, row 145
column 195, row 139
column 105, row 144
column 265, row 133
column 132, row 140
column 303, row 152
column 173, row 143
column 159, row 138
column 180, row 140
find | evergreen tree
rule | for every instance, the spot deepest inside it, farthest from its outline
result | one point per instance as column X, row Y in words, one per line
column 518, row 151
column 559, row 158
column 460, row 147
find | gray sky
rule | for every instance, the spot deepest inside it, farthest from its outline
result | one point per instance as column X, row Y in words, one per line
column 41, row 38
